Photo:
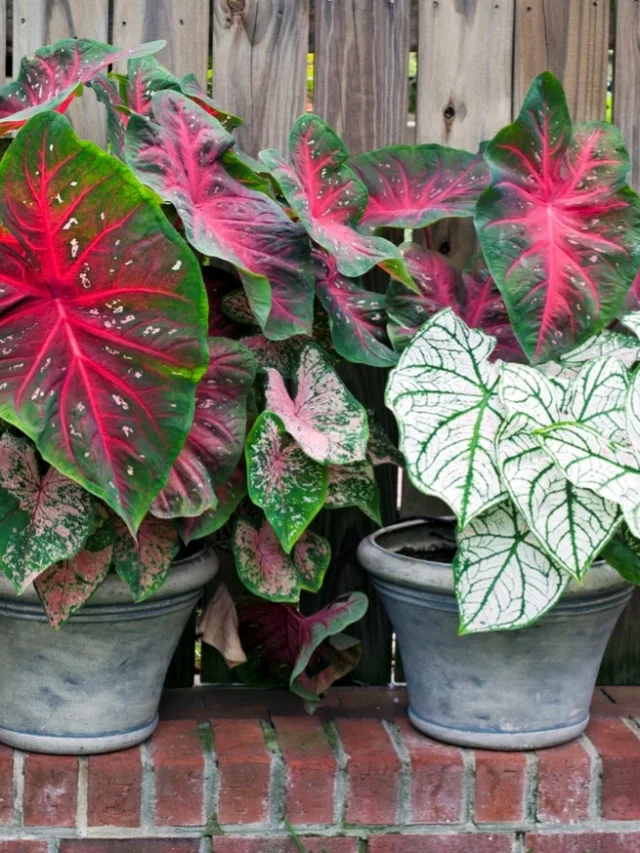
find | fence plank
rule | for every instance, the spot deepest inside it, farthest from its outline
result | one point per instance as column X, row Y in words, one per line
column 184, row 26
column 572, row 40
column 626, row 98
column 37, row 24
column 260, row 66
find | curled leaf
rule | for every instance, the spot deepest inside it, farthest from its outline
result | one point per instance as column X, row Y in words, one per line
column 218, row 627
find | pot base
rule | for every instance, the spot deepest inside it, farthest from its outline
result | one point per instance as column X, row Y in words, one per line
column 80, row 745
column 514, row 742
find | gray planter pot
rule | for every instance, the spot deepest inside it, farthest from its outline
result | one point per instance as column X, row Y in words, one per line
column 524, row 689
column 93, row 685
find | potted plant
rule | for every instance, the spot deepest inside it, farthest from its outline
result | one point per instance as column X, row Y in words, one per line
column 518, row 404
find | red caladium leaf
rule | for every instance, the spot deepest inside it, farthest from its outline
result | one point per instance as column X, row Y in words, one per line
column 50, row 79
column 190, row 86
column 43, row 519
column 228, row 496
column 107, row 91
column 66, row 586
column 144, row 563
column 329, row 198
column 357, row 317
column 558, row 226
column 266, row 570
column 411, row 186
column 216, row 438
column 102, row 317
column 181, row 158
column 324, row 417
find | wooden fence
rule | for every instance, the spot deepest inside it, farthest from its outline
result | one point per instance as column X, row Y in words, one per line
column 473, row 60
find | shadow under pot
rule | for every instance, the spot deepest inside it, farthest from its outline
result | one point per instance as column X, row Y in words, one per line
column 94, row 684
column 507, row 690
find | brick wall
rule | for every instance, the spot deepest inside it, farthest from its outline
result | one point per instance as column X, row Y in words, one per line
column 225, row 768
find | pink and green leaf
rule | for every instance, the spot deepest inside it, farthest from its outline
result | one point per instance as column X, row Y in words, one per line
column 190, row 86
column 65, row 587
column 282, row 480
column 380, row 449
column 216, row 438
column 144, row 563
column 412, row 186
column 354, row 485
column 324, row 417
column 228, row 496
column 559, row 224
column 43, row 519
column 266, row 570
column 282, row 356
column 236, row 306
column 484, row 309
column 180, row 156
column 102, row 317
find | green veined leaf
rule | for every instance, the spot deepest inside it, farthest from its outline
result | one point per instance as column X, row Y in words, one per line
column 632, row 411
column 354, row 485
column 597, row 397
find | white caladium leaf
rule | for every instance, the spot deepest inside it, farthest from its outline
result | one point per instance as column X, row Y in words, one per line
column 324, row 417
column 503, row 577
column 354, row 485
column 591, row 461
column 597, row 398
column 631, row 320
column 525, row 390
column 625, row 348
column 632, row 411
column 286, row 483
column 444, row 396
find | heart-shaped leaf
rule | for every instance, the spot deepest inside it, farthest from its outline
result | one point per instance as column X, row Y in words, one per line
column 559, row 226
column 66, row 586
column 289, row 486
column 144, row 563
column 102, row 317
column 266, row 570
column 504, row 580
column 180, row 156
column 228, row 496
column 357, row 317
column 354, row 485
column 214, row 444
column 43, row 519
column 50, row 78
column 444, row 396
column 324, row 417
column 411, row 186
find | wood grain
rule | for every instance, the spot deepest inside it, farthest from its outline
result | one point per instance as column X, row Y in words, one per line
column 260, row 66
column 626, row 95
column 39, row 23
column 570, row 38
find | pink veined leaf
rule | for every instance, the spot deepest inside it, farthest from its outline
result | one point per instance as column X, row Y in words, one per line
column 412, row 186
column 216, row 438
column 107, row 91
column 266, row 570
column 190, row 86
column 50, row 79
column 324, row 417
column 180, row 156
column 43, row 519
column 66, row 586
column 329, row 198
column 102, row 314
column 357, row 317
column 228, row 496
column 144, row 564
column 559, row 225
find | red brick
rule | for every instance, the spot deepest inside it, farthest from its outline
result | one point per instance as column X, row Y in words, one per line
column 17, row 846
column 244, row 764
column 373, row 769
column 178, row 767
column 619, row 750
column 437, row 775
column 311, row 770
column 6, row 784
column 463, row 843
column 500, row 786
column 564, row 782
column 284, row 845
column 115, row 785
column 50, row 790
column 130, row 845
column 585, row 842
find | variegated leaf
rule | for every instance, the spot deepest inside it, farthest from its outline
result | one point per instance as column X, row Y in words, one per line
column 265, row 569
column 597, row 398
column 279, row 355
column 324, row 417
column 228, row 496
column 65, row 587
column 380, row 448
column 504, row 580
column 354, row 485
column 444, row 396
column 632, row 411
column 144, row 564
column 43, row 519
column 289, row 486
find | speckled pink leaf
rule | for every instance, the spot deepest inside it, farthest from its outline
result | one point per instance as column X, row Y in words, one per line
column 228, row 496
column 282, row 356
column 102, row 317
column 216, row 438
column 43, row 519
column 354, row 485
column 265, row 569
column 144, row 564
column 380, row 448
column 324, row 417
column 180, row 156
column 49, row 79
column 66, row 586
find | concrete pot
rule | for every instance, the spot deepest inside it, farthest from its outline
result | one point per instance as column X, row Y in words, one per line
column 524, row 689
column 94, row 685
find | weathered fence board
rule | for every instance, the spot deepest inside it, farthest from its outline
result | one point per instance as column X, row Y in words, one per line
column 626, row 99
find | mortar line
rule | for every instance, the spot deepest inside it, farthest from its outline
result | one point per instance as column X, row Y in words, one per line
column 341, row 786
column 594, row 809
column 277, row 776
column 147, row 792
column 404, row 813
column 210, row 785
column 82, row 804
column 468, row 786
column 532, row 781
column 18, row 788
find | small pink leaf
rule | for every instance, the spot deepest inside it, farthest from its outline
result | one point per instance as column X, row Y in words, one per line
column 66, row 586
column 228, row 496
column 144, row 564
column 324, row 417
